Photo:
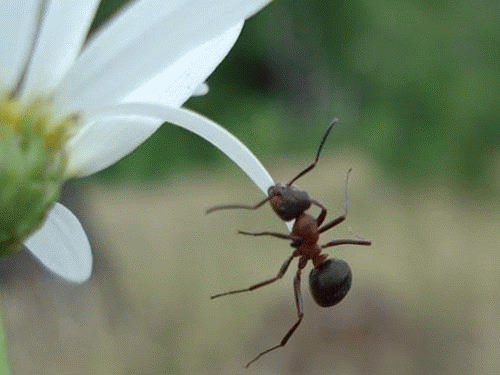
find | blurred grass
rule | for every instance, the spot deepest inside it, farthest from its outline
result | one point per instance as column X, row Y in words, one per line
column 417, row 86
column 4, row 365
column 433, row 271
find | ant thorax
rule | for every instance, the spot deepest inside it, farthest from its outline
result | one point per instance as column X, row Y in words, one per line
column 287, row 201
column 306, row 227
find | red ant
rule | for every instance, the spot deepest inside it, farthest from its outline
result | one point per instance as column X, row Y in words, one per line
column 330, row 279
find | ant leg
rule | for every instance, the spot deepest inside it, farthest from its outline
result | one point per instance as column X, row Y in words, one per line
column 230, row 206
column 332, row 223
column 273, row 234
column 280, row 274
column 322, row 214
column 310, row 167
column 342, row 217
column 300, row 313
column 346, row 242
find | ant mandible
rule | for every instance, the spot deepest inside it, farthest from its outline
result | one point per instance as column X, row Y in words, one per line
column 330, row 279
column 287, row 201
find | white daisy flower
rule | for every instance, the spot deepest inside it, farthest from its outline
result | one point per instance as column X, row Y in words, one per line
column 69, row 112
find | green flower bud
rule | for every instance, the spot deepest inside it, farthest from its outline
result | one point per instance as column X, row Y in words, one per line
column 32, row 168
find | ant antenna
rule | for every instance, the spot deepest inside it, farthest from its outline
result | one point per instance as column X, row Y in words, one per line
column 228, row 206
column 310, row 167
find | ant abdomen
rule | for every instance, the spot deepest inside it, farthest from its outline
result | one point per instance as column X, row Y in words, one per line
column 330, row 281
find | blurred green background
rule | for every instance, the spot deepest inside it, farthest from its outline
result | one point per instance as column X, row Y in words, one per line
column 416, row 86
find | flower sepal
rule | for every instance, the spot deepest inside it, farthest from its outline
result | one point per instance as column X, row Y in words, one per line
column 32, row 170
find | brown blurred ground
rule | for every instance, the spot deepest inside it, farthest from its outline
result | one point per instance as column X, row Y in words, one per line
column 425, row 297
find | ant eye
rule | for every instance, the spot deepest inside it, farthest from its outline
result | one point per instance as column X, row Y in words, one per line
column 330, row 282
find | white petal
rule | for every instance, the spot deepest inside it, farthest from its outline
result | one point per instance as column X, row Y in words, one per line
column 105, row 140
column 201, row 90
column 181, row 80
column 64, row 29
column 62, row 246
column 150, row 36
column 18, row 22
column 149, row 114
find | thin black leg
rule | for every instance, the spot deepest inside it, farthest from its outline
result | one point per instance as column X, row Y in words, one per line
column 322, row 214
column 332, row 223
column 280, row 274
column 300, row 313
column 346, row 242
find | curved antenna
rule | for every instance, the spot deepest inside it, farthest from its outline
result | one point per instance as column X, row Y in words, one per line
column 231, row 206
column 308, row 169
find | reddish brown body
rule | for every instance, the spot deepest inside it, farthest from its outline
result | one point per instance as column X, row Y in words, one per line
column 306, row 227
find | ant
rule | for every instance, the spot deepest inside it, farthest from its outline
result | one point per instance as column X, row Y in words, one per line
column 330, row 279
column 287, row 201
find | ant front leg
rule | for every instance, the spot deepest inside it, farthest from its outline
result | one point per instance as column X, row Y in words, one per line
column 322, row 214
column 280, row 274
column 332, row 223
column 346, row 242
column 342, row 217
column 300, row 313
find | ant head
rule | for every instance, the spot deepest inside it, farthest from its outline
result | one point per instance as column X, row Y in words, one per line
column 287, row 201
column 330, row 281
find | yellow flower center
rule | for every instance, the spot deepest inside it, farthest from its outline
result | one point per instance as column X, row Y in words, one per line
column 36, row 118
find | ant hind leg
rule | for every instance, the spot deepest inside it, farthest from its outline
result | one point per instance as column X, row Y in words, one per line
column 299, row 303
